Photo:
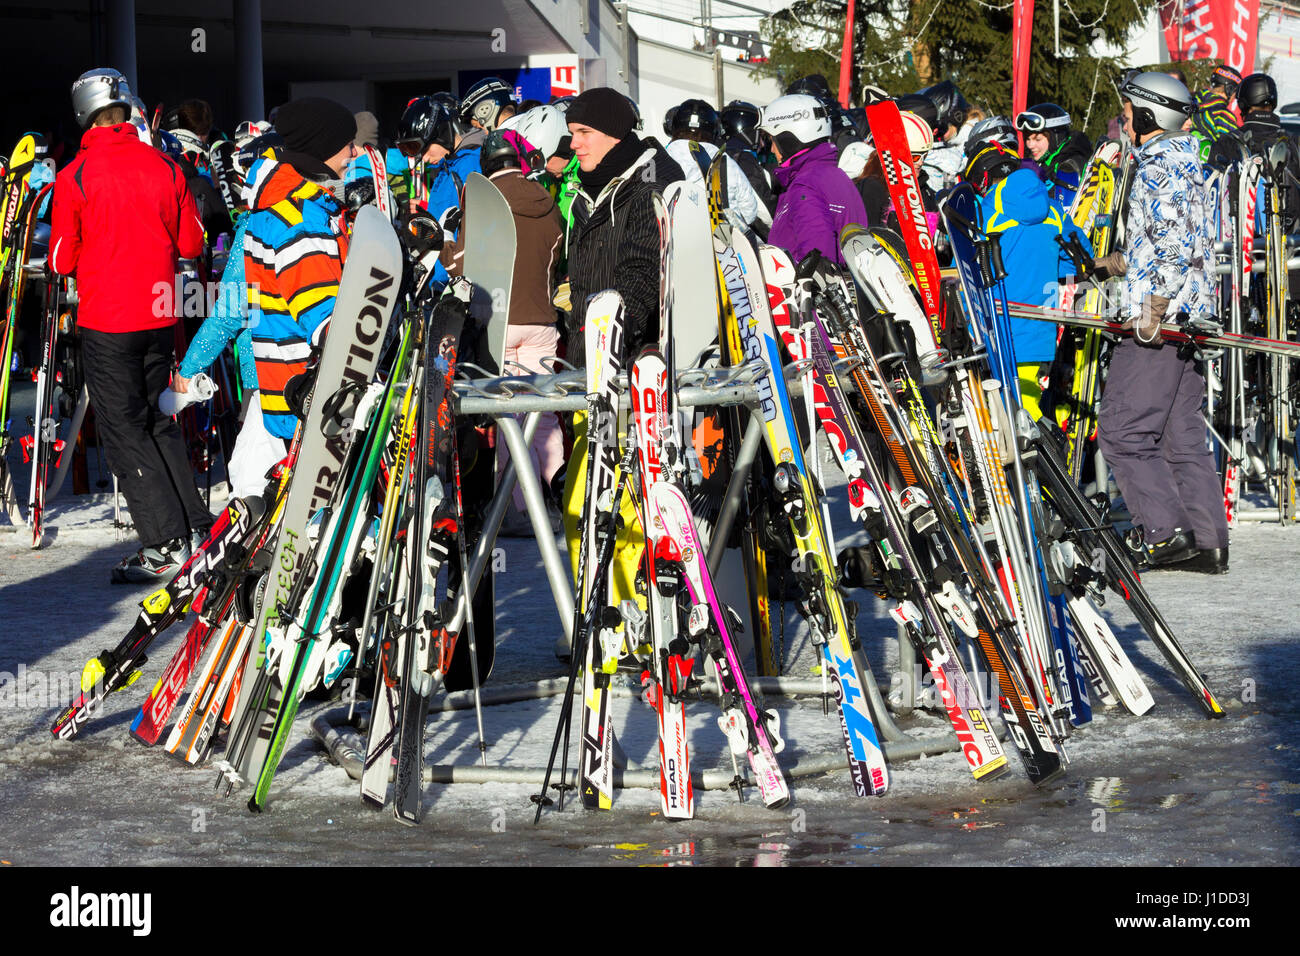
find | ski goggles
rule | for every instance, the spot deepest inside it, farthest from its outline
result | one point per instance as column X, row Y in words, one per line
column 1226, row 77
column 1030, row 122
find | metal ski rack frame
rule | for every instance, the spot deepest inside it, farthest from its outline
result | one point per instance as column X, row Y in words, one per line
column 563, row 389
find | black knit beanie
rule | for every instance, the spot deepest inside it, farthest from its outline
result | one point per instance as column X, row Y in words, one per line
column 316, row 126
column 603, row 109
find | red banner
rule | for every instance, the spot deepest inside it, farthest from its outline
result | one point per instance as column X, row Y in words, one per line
column 1226, row 30
column 846, row 61
column 1022, row 30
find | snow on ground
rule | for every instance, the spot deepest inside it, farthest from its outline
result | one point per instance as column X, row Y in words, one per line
column 1170, row 788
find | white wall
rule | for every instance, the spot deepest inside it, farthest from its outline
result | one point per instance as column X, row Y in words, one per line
column 667, row 75
column 1279, row 38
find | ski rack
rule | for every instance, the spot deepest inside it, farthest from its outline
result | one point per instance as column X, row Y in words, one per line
column 478, row 392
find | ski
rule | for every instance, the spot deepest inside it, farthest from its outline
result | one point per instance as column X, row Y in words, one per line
column 119, row 667
column 668, row 675
column 433, row 532
column 750, row 731
column 900, row 177
column 604, row 350
column 1201, row 335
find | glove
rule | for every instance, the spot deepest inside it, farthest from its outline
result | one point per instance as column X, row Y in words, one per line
column 561, row 300
column 1109, row 267
column 1146, row 328
column 450, row 220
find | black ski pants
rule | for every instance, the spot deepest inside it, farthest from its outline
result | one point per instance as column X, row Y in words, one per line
column 1153, row 436
column 125, row 373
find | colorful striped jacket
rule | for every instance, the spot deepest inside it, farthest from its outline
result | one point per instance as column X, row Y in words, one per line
column 293, row 259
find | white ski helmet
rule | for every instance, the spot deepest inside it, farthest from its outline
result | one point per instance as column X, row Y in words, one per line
column 854, row 158
column 249, row 130
column 920, row 137
column 798, row 116
column 1160, row 102
column 96, row 90
column 543, row 127
column 191, row 143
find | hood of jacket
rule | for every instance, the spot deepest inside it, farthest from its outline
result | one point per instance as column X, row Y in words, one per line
column 807, row 161
column 98, row 136
column 474, row 139
column 1019, row 200
column 271, row 181
column 526, row 198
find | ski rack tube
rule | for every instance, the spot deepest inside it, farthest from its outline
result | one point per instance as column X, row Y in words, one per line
column 331, row 730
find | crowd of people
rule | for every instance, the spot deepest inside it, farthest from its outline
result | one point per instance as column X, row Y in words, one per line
column 270, row 205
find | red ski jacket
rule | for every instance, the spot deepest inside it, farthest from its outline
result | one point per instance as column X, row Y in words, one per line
column 122, row 217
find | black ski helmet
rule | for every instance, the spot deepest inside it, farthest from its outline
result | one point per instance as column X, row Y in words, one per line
column 814, row 84
column 740, row 119
column 843, row 129
column 695, row 116
column 1257, row 92
column 858, row 116
column 484, row 102
column 255, row 148
column 950, row 106
column 498, row 153
column 425, row 122
column 923, row 107
column 668, row 121
column 1227, row 78
column 991, row 163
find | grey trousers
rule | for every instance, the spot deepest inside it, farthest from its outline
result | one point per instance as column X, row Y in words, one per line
column 1151, row 431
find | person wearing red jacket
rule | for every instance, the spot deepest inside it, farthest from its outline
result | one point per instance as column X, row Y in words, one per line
column 122, row 216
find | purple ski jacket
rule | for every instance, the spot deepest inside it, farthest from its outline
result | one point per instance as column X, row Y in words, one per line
column 816, row 202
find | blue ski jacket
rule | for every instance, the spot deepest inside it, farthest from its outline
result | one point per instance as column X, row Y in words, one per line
column 1028, row 220
column 448, row 176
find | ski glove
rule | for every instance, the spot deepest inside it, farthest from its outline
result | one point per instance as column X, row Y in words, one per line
column 1146, row 328
column 1112, row 266
column 450, row 220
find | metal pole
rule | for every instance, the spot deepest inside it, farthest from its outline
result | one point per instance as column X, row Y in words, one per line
column 623, row 71
column 478, row 563
column 734, row 495
column 250, row 98
column 718, row 76
column 557, row 573
column 120, row 23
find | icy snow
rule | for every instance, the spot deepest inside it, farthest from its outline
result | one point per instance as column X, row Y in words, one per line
column 1170, row 788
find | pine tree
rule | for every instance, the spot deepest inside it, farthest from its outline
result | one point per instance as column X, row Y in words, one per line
column 902, row 45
